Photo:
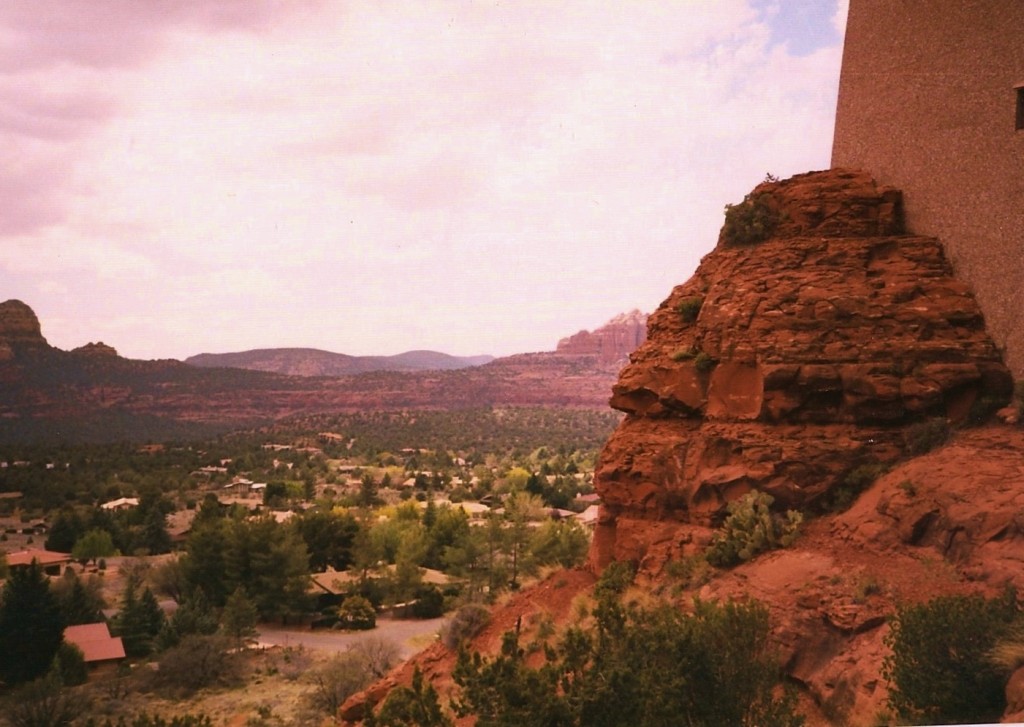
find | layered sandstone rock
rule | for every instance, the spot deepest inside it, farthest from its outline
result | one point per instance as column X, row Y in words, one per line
column 612, row 342
column 787, row 365
column 19, row 328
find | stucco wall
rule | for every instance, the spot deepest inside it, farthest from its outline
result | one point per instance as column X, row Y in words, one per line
column 927, row 103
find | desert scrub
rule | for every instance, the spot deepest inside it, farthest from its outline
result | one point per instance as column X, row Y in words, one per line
column 751, row 528
column 751, row 221
column 702, row 361
column 853, row 484
column 940, row 670
column 925, row 436
column 467, row 622
column 689, row 308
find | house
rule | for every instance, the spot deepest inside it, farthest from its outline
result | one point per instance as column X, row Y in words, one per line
column 588, row 518
column 96, row 643
column 121, row 503
column 48, row 559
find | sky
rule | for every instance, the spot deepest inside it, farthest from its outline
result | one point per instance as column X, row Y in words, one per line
column 368, row 177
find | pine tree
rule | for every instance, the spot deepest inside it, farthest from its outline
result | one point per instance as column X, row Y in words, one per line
column 31, row 625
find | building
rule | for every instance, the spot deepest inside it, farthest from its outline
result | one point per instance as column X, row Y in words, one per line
column 95, row 642
column 931, row 101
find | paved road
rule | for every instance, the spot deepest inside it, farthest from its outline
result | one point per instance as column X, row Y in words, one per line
column 411, row 636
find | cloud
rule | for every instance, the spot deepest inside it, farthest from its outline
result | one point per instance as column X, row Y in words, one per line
column 504, row 174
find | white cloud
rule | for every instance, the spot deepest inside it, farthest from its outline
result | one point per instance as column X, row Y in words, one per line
column 375, row 177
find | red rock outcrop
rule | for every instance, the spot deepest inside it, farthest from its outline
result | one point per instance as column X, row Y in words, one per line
column 786, row 365
column 19, row 328
column 612, row 342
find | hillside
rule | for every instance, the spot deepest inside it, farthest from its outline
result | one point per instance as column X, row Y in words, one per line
column 93, row 394
column 826, row 357
column 314, row 362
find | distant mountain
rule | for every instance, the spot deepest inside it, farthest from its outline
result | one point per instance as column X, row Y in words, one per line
column 315, row 362
column 612, row 342
column 93, row 394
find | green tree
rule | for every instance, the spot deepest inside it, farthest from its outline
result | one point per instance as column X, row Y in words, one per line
column 413, row 706
column 80, row 603
column 92, row 545
column 329, row 538
column 66, row 529
column 203, row 566
column 194, row 616
column 31, row 625
column 655, row 667
column 939, row 671
column 139, row 622
column 69, row 663
column 239, row 617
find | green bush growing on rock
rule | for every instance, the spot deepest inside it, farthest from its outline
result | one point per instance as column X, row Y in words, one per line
column 704, row 362
column 925, row 436
column 689, row 308
column 751, row 528
column 751, row 221
column 940, row 670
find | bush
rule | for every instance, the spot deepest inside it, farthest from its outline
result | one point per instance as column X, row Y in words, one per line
column 940, row 670
column 42, row 703
column 357, row 614
column 689, row 308
column 429, row 602
column 615, row 579
column 336, row 681
column 751, row 221
column 643, row 667
column 467, row 622
column 197, row 662
column 751, row 528
column 923, row 437
column 69, row 663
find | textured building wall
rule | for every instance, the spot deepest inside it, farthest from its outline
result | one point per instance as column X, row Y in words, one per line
column 927, row 103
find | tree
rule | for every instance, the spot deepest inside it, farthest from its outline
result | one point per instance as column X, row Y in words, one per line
column 92, row 545
column 194, row 616
column 67, row 528
column 413, row 706
column 31, row 625
column 239, row 617
column 139, row 621
column 80, row 603
column 649, row 668
column 203, row 565
column 69, row 663
column 939, row 670
column 329, row 538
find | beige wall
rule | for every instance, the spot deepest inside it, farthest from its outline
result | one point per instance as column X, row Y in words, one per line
column 927, row 103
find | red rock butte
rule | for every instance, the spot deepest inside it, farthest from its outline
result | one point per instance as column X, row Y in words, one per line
column 785, row 365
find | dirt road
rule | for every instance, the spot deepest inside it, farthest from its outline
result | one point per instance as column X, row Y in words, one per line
column 410, row 635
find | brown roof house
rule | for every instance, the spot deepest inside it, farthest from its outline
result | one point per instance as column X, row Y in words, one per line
column 96, row 643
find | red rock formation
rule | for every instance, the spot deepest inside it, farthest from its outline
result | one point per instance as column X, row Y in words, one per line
column 612, row 342
column 784, row 366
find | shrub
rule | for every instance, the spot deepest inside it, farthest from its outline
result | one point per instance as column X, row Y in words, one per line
column 923, row 437
column 43, row 702
column 751, row 528
column 467, row 622
column 940, row 670
column 615, row 579
column 636, row 666
column 429, row 602
column 703, row 362
column 197, row 662
column 69, row 663
column 854, row 483
column 689, row 308
column 349, row 672
column 357, row 613
column 751, row 221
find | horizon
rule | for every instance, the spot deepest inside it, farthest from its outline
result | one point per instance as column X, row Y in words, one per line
column 452, row 177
